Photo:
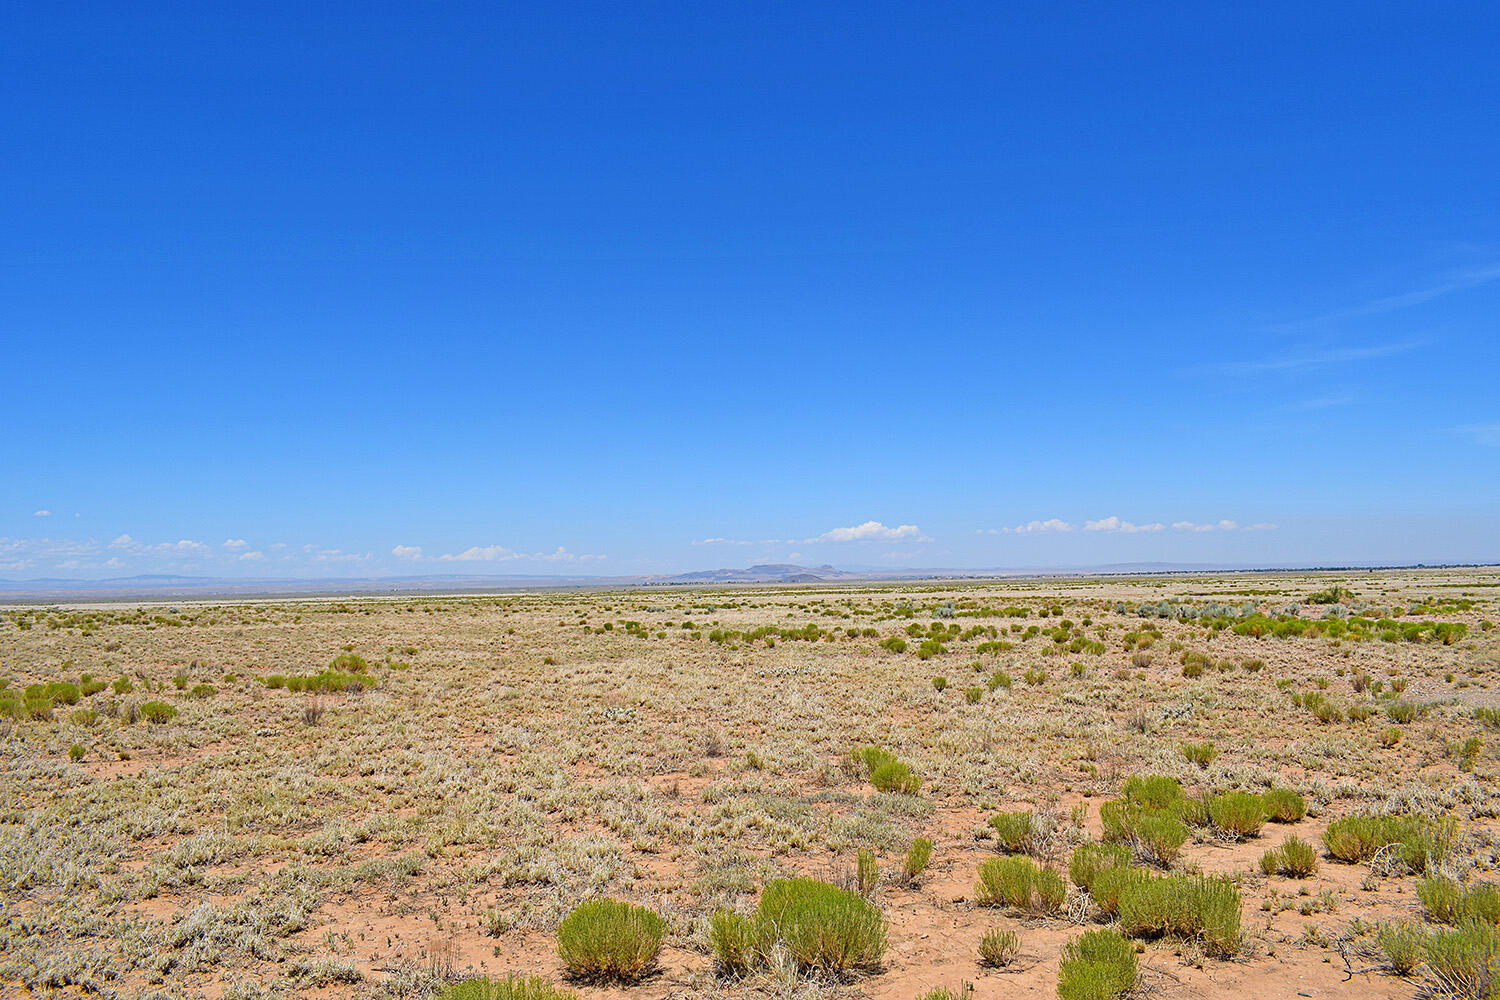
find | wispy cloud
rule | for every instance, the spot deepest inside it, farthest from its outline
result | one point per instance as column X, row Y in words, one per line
column 491, row 554
column 1458, row 282
column 41, row 513
column 1317, row 403
column 1487, row 435
column 1311, row 359
column 1114, row 525
column 1051, row 526
column 1118, row 526
column 869, row 531
column 235, row 543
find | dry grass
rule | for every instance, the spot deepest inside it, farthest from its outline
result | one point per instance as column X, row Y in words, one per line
column 500, row 760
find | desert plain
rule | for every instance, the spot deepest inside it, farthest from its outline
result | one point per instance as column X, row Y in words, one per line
column 384, row 796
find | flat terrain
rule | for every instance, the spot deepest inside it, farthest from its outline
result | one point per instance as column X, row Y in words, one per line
column 501, row 759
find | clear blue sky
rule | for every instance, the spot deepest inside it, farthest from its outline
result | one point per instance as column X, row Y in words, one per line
column 308, row 289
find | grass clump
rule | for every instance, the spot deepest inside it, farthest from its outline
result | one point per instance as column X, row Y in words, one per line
column 821, row 926
column 1284, row 805
column 1013, row 829
column 509, row 988
column 999, row 947
column 1202, row 754
column 1403, row 944
column 886, row 773
column 1417, row 841
column 737, row 942
column 1239, row 814
column 1089, row 860
column 1448, row 902
column 917, row 857
column 1020, row 882
column 1465, row 962
column 1296, row 858
column 157, row 712
column 1184, row 906
column 1157, row 835
column 610, row 939
column 1100, row 965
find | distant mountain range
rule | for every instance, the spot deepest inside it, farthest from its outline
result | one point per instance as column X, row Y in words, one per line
column 168, row 586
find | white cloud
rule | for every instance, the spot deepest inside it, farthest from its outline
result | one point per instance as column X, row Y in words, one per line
column 1117, row 526
column 869, row 531
column 499, row 553
column 1051, row 526
column 41, row 513
column 872, row 530
column 235, row 543
column 255, row 556
column 411, row 553
column 122, row 542
column 1114, row 525
column 1225, row 525
column 489, row 553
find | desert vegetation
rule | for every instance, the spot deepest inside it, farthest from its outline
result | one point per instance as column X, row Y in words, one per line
column 1199, row 785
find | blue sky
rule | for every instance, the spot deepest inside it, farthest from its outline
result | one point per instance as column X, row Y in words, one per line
column 319, row 290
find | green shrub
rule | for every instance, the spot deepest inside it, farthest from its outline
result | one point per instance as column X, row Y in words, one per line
column 157, row 712
column 1202, row 754
column 1402, row 712
column 509, row 988
column 1441, row 897
column 203, row 691
column 939, row 683
column 1184, row 906
column 999, row 947
column 1019, row 882
column 973, row 694
column 894, row 644
column 1156, row 834
column 1418, row 842
column 1013, row 829
column 76, row 752
column 1100, row 965
column 894, row 776
column 1110, row 885
column 610, row 939
column 1296, row 858
column 349, row 663
column 1447, row 902
column 1465, row 963
column 1284, row 805
column 822, row 926
column 930, row 648
column 737, row 942
column 887, row 773
column 1240, row 814
column 999, row 679
column 1193, row 812
column 917, row 857
column 866, row 871
column 1154, row 791
column 1403, row 944
column 1090, row 859
column 122, row 686
column 1034, row 677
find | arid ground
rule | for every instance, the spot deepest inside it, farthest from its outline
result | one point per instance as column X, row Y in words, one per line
column 499, row 759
